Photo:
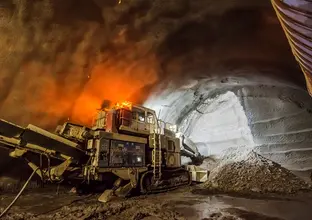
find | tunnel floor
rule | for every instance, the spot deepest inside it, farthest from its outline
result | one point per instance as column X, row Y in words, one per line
column 184, row 203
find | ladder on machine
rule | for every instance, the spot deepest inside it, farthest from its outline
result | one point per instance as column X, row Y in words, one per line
column 156, row 153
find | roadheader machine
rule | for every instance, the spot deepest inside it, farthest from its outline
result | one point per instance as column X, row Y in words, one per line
column 127, row 149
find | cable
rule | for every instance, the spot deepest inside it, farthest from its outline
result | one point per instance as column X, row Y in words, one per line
column 49, row 166
column 19, row 194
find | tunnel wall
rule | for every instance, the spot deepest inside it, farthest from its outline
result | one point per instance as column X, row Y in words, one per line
column 281, row 124
column 217, row 124
column 272, row 117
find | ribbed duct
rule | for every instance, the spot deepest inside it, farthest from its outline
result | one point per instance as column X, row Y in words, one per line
column 295, row 17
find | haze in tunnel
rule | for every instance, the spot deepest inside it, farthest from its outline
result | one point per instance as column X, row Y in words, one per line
column 269, row 116
column 213, row 124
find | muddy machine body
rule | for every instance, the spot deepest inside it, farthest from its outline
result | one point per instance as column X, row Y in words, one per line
column 127, row 149
column 137, row 148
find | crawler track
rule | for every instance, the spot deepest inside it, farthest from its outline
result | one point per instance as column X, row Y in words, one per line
column 171, row 179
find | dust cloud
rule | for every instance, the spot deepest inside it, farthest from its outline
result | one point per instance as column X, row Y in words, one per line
column 60, row 59
column 59, row 63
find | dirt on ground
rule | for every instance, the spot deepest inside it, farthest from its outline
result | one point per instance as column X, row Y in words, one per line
column 175, row 205
column 250, row 172
column 143, row 207
column 241, row 186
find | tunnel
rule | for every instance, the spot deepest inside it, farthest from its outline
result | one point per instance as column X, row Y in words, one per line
column 232, row 75
column 242, row 71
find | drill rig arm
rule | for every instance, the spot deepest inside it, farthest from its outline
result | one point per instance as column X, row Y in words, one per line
column 190, row 150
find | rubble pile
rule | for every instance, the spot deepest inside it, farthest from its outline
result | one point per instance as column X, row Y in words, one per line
column 250, row 172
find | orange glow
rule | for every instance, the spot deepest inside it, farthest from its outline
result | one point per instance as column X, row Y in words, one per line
column 124, row 104
column 68, row 77
column 115, row 83
column 48, row 101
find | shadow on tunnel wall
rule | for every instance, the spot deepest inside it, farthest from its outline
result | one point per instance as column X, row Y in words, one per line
column 241, row 38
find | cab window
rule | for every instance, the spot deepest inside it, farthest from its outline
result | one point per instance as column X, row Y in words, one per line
column 150, row 118
column 141, row 116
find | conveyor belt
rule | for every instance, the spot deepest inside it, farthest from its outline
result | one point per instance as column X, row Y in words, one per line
column 9, row 129
column 40, row 137
column 16, row 136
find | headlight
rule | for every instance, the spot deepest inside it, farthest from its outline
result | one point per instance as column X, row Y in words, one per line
column 139, row 159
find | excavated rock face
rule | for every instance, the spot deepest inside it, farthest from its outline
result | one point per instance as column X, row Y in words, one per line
column 272, row 117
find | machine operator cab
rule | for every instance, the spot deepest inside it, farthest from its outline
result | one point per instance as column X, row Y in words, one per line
column 132, row 119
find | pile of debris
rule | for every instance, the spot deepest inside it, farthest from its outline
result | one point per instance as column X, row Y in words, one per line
column 250, row 172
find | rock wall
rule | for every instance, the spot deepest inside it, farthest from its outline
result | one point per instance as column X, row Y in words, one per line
column 270, row 116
